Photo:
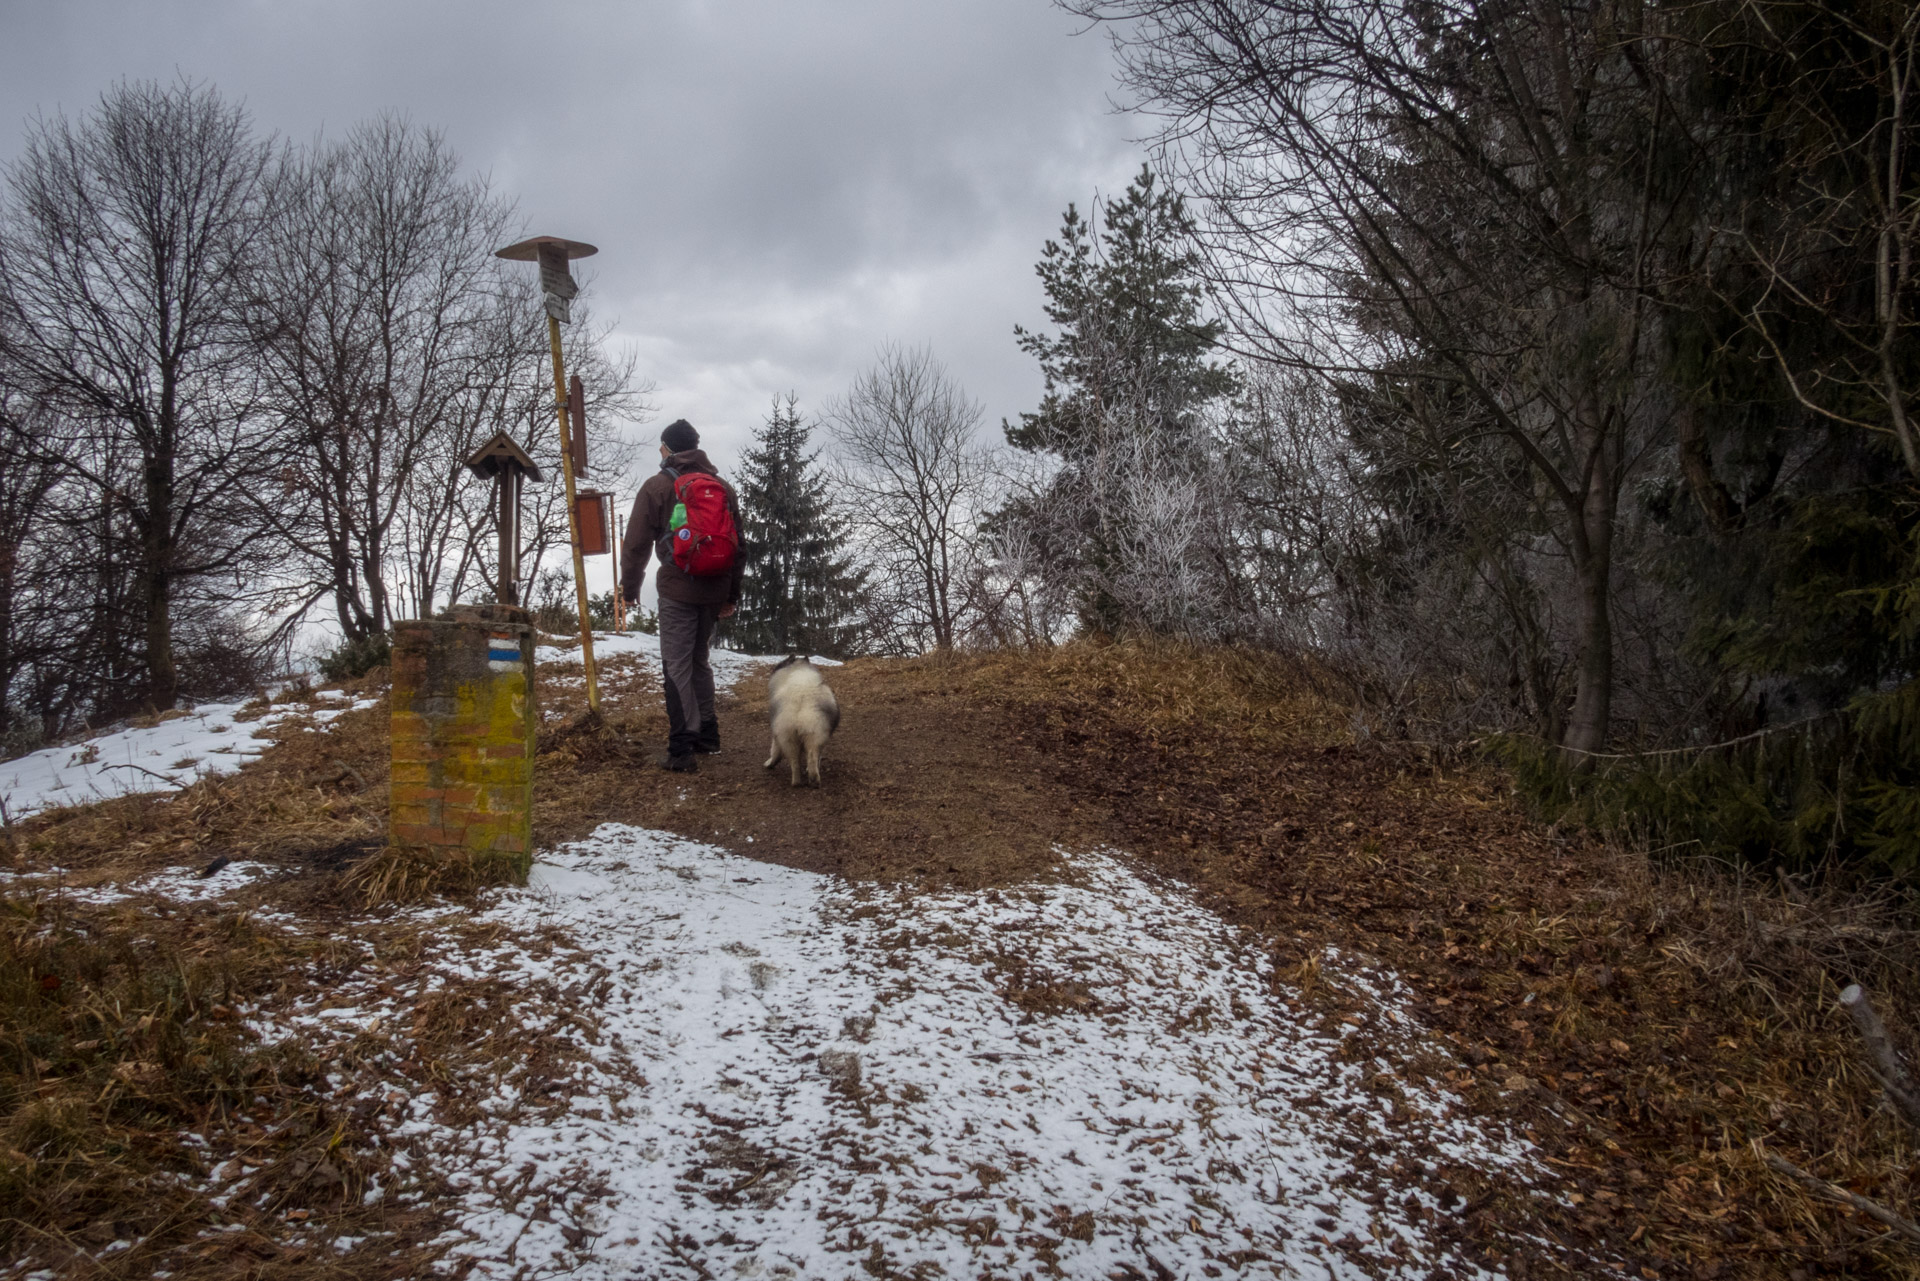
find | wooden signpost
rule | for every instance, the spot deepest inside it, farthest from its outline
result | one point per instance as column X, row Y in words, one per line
column 594, row 510
column 558, row 290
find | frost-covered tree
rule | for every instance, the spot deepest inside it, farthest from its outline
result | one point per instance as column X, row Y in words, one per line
column 1133, row 340
column 1127, row 518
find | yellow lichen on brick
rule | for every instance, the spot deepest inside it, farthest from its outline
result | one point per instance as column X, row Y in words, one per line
column 463, row 735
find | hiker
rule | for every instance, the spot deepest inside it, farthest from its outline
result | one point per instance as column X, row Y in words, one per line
column 692, row 517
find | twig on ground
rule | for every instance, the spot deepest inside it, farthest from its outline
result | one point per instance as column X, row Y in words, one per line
column 744, row 1184
column 1884, row 1060
column 1833, row 1192
column 164, row 778
column 685, row 1260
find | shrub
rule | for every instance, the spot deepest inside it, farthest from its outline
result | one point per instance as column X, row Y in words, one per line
column 1840, row 790
column 552, row 605
column 357, row 657
column 218, row 656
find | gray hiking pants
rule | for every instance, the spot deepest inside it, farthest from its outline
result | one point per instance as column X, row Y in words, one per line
column 685, row 633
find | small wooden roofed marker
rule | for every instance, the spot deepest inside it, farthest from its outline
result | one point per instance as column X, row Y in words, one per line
column 507, row 465
column 558, row 290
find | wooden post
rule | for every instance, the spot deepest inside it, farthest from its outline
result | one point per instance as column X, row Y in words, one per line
column 1883, row 1060
column 508, row 466
column 619, row 597
column 558, row 290
column 573, row 515
column 504, row 585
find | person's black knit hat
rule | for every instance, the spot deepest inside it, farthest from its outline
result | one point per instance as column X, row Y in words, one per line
column 680, row 436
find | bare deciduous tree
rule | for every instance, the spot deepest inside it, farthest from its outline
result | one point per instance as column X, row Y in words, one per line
column 908, row 476
column 45, row 643
column 129, row 248
column 383, row 319
column 395, row 344
column 1849, row 194
column 615, row 395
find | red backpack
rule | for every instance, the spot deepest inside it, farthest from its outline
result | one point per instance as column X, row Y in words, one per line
column 701, row 531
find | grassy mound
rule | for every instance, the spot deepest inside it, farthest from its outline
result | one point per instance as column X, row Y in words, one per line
column 1657, row 1026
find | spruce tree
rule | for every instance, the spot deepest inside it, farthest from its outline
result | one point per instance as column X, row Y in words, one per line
column 798, row 590
column 1129, row 391
column 1133, row 338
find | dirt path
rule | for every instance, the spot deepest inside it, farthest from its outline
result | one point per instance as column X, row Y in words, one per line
column 913, row 788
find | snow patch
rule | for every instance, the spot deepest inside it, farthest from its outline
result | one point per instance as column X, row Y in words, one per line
column 204, row 743
column 177, row 885
column 783, row 1075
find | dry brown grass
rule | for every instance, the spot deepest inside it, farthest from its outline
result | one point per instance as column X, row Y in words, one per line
column 1648, row 1024
column 120, row 1033
column 313, row 799
column 127, row 1077
column 104, row 1074
column 394, row 875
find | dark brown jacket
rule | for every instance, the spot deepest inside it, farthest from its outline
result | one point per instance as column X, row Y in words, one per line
column 647, row 534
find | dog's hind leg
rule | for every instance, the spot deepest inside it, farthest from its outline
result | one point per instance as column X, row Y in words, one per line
column 788, row 748
column 773, row 753
column 813, row 762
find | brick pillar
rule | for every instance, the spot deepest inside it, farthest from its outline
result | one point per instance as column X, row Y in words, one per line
column 463, row 735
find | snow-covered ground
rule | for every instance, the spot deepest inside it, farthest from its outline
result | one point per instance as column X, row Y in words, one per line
column 768, row 1073
column 174, row 884
column 202, row 743
column 783, row 1075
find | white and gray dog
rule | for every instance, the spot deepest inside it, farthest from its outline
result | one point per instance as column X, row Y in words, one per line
column 804, row 714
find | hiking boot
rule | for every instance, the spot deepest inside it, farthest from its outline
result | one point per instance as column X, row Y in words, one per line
column 708, row 744
column 677, row 762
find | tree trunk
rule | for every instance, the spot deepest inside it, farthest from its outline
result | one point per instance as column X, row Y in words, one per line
column 9, row 563
column 1593, row 687
column 156, row 569
column 1592, row 710
column 163, row 679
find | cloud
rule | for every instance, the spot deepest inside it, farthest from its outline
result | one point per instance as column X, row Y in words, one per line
column 777, row 186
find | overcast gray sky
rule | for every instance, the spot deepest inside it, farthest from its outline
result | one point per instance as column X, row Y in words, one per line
column 776, row 186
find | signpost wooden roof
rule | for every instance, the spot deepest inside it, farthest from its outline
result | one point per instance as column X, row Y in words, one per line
column 529, row 250
column 501, row 454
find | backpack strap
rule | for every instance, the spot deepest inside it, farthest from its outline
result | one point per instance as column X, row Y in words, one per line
column 663, row 546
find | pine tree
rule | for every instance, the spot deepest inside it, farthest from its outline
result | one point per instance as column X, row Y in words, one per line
column 1132, row 346
column 798, row 590
column 1129, row 389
